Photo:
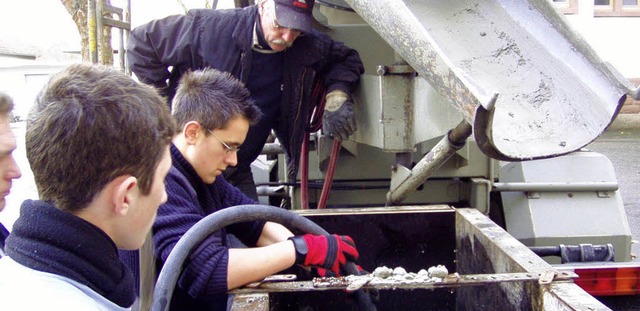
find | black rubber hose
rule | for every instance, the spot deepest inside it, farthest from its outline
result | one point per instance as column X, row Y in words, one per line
column 172, row 268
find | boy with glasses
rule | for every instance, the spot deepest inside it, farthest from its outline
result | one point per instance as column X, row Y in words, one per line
column 214, row 111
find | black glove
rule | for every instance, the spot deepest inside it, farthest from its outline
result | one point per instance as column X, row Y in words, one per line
column 338, row 120
column 324, row 251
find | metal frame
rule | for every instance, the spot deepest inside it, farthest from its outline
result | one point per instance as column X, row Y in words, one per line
column 100, row 15
column 494, row 270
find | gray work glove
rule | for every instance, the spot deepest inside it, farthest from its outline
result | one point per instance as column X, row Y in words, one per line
column 338, row 120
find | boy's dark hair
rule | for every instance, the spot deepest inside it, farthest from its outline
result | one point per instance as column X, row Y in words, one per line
column 212, row 98
column 89, row 125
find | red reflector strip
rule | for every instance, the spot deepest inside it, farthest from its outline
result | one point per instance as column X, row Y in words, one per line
column 609, row 281
column 300, row 4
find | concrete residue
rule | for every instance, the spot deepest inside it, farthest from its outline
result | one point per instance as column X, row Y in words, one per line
column 386, row 277
column 399, row 271
column 382, row 272
column 541, row 95
column 432, row 275
column 439, row 271
column 510, row 47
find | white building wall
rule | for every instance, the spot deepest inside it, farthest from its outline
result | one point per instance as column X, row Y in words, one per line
column 23, row 81
column 615, row 39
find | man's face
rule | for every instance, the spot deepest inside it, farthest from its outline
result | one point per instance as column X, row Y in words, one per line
column 279, row 38
column 8, row 168
column 145, row 207
column 210, row 157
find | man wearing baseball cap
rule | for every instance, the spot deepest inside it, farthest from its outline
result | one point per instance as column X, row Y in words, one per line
column 273, row 49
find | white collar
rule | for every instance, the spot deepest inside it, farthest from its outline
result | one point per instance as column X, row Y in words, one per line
column 256, row 44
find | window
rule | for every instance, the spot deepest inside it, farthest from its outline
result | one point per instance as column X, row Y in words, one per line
column 567, row 6
column 616, row 7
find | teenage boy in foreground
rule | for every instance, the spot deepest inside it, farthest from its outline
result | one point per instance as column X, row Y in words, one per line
column 98, row 146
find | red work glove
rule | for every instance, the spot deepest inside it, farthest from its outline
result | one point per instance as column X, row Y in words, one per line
column 329, row 252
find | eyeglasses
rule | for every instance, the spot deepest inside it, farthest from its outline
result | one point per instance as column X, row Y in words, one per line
column 229, row 150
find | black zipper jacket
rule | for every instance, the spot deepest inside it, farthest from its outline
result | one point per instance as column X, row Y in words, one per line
column 222, row 39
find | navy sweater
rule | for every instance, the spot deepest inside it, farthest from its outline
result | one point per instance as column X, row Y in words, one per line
column 50, row 240
column 4, row 233
column 203, row 283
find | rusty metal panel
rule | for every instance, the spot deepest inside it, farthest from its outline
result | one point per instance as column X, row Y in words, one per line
column 484, row 247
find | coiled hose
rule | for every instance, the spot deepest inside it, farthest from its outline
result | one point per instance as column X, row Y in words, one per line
column 315, row 124
column 172, row 269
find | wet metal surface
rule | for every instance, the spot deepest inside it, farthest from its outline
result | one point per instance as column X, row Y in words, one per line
column 409, row 281
column 554, row 95
column 251, row 302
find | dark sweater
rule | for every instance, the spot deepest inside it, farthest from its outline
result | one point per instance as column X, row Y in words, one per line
column 47, row 239
column 4, row 233
column 203, row 283
column 265, row 85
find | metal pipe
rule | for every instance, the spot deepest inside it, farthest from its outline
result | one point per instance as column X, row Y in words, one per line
column 272, row 148
column 121, row 42
column 577, row 253
column 270, row 191
column 556, row 186
column 100, row 31
column 431, row 162
column 635, row 94
column 91, row 25
column 304, row 173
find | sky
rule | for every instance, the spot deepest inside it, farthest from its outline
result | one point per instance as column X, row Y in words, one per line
column 37, row 22
column 43, row 22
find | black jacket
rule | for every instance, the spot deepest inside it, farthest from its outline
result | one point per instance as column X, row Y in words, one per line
column 222, row 39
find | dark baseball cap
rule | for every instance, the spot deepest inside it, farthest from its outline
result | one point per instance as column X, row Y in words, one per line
column 295, row 14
